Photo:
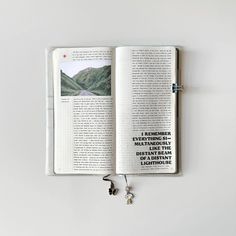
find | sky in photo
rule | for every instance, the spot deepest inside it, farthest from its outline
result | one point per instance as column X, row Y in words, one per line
column 73, row 67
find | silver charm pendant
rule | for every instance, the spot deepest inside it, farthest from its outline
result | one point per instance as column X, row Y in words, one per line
column 129, row 196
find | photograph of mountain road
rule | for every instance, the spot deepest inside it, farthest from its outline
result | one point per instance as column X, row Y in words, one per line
column 87, row 82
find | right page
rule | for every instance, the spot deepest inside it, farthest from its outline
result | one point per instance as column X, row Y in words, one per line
column 146, row 110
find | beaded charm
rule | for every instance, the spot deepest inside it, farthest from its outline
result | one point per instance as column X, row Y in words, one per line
column 129, row 196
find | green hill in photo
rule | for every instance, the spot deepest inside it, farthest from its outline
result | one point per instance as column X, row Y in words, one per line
column 95, row 80
column 68, row 86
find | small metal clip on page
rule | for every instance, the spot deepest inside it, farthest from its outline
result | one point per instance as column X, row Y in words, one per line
column 177, row 88
column 112, row 190
column 128, row 196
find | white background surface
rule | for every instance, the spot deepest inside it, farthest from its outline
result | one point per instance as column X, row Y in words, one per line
column 201, row 202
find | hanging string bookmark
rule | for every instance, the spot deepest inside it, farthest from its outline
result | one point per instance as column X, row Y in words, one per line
column 129, row 195
column 112, row 190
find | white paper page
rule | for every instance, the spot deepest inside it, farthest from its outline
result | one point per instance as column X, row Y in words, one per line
column 83, row 110
column 145, row 110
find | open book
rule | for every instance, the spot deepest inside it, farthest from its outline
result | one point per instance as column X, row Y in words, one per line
column 112, row 110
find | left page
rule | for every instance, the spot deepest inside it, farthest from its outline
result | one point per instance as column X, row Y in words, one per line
column 83, row 126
